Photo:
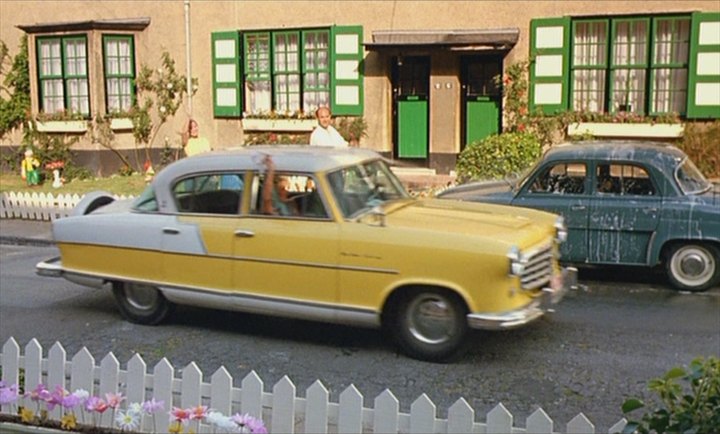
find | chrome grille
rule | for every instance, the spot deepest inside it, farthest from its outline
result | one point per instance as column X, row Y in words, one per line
column 538, row 267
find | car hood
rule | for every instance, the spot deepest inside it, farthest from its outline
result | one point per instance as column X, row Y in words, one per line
column 505, row 224
column 482, row 191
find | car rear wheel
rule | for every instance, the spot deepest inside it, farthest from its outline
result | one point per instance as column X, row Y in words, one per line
column 693, row 267
column 430, row 324
column 142, row 304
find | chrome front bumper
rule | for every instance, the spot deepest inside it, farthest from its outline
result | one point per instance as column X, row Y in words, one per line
column 50, row 268
column 529, row 313
column 54, row 268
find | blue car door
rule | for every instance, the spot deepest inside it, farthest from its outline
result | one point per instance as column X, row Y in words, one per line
column 562, row 188
column 623, row 214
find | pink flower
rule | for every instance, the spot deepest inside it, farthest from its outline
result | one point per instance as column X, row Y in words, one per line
column 56, row 397
column 8, row 394
column 114, row 399
column 153, row 406
column 249, row 424
column 179, row 414
column 198, row 413
column 38, row 393
column 96, row 404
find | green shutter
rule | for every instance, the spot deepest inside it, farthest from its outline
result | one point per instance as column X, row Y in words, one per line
column 704, row 76
column 346, row 80
column 549, row 66
column 226, row 76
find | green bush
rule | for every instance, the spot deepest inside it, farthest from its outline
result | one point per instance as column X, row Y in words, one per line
column 701, row 142
column 498, row 156
column 696, row 410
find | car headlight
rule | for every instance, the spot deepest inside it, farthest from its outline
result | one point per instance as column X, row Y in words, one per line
column 517, row 263
column 561, row 232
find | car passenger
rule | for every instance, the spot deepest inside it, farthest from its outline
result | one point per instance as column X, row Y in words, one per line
column 275, row 199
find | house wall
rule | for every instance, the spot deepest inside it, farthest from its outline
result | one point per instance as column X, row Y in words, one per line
column 166, row 32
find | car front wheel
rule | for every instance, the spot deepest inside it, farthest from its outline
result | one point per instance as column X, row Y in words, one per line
column 693, row 267
column 142, row 304
column 430, row 324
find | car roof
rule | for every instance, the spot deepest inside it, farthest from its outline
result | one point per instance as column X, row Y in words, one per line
column 295, row 158
column 620, row 150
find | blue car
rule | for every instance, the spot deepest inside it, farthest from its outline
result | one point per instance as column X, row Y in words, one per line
column 624, row 203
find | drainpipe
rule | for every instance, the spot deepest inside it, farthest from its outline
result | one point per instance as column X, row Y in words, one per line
column 188, row 59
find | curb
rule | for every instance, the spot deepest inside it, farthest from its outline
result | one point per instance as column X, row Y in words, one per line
column 25, row 241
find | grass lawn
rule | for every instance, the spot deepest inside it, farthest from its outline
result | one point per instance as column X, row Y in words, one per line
column 120, row 185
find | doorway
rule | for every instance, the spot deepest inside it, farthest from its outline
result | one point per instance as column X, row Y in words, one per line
column 481, row 97
column 411, row 92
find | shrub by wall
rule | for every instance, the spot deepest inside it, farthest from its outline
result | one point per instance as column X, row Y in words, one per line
column 498, row 156
column 701, row 141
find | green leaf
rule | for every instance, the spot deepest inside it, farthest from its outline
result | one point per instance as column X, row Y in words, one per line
column 674, row 373
column 632, row 404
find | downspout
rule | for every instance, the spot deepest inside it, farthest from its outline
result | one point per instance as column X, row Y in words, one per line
column 188, row 59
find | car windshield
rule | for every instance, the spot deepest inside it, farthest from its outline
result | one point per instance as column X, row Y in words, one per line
column 690, row 179
column 362, row 187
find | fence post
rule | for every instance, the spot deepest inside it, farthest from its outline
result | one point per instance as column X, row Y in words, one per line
column 316, row 408
column 350, row 414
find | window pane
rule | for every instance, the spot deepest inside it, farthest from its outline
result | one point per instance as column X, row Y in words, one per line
column 78, row 96
column 316, row 82
column 50, row 59
column 118, row 73
column 628, row 90
column 630, row 44
column 672, row 39
column 53, row 97
column 590, row 44
column 589, row 90
column 76, row 58
column 670, row 90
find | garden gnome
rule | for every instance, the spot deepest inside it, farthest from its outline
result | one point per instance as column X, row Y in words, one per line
column 57, row 180
column 29, row 168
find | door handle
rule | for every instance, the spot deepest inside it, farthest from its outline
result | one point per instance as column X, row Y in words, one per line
column 170, row 231
column 578, row 208
column 244, row 233
column 649, row 210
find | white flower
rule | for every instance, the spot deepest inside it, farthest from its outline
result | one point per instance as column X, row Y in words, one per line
column 169, row 86
column 135, row 408
column 163, row 109
column 221, row 421
column 127, row 421
column 82, row 394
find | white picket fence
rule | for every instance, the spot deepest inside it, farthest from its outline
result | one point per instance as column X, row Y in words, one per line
column 40, row 206
column 281, row 410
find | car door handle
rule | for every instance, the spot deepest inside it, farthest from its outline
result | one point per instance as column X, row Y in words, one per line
column 170, row 231
column 578, row 207
column 244, row 233
column 649, row 210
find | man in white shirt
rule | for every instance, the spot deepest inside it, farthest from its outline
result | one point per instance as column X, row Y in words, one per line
column 325, row 134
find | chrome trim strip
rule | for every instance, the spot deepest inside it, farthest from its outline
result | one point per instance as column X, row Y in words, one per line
column 251, row 303
column 261, row 260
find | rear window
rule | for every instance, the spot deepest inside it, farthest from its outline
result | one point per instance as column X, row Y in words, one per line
column 690, row 179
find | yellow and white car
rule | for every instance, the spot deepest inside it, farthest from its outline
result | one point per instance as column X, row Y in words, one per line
column 354, row 249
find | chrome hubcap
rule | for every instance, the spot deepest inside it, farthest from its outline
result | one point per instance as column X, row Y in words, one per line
column 693, row 265
column 431, row 319
column 142, row 297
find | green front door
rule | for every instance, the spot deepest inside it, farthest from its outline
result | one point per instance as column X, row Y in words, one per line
column 411, row 79
column 481, row 97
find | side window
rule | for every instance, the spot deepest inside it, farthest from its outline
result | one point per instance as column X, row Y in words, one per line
column 626, row 179
column 564, row 178
column 292, row 195
column 218, row 193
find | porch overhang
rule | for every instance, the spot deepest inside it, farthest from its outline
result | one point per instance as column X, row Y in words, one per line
column 127, row 24
column 451, row 40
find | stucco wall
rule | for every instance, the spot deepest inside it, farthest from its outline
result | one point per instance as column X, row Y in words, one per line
column 167, row 32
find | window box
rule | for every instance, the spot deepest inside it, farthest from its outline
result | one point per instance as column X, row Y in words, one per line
column 626, row 130
column 62, row 126
column 121, row 124
column 279, row 124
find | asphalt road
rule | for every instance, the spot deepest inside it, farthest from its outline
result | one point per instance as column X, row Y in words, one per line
column 602, row 345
